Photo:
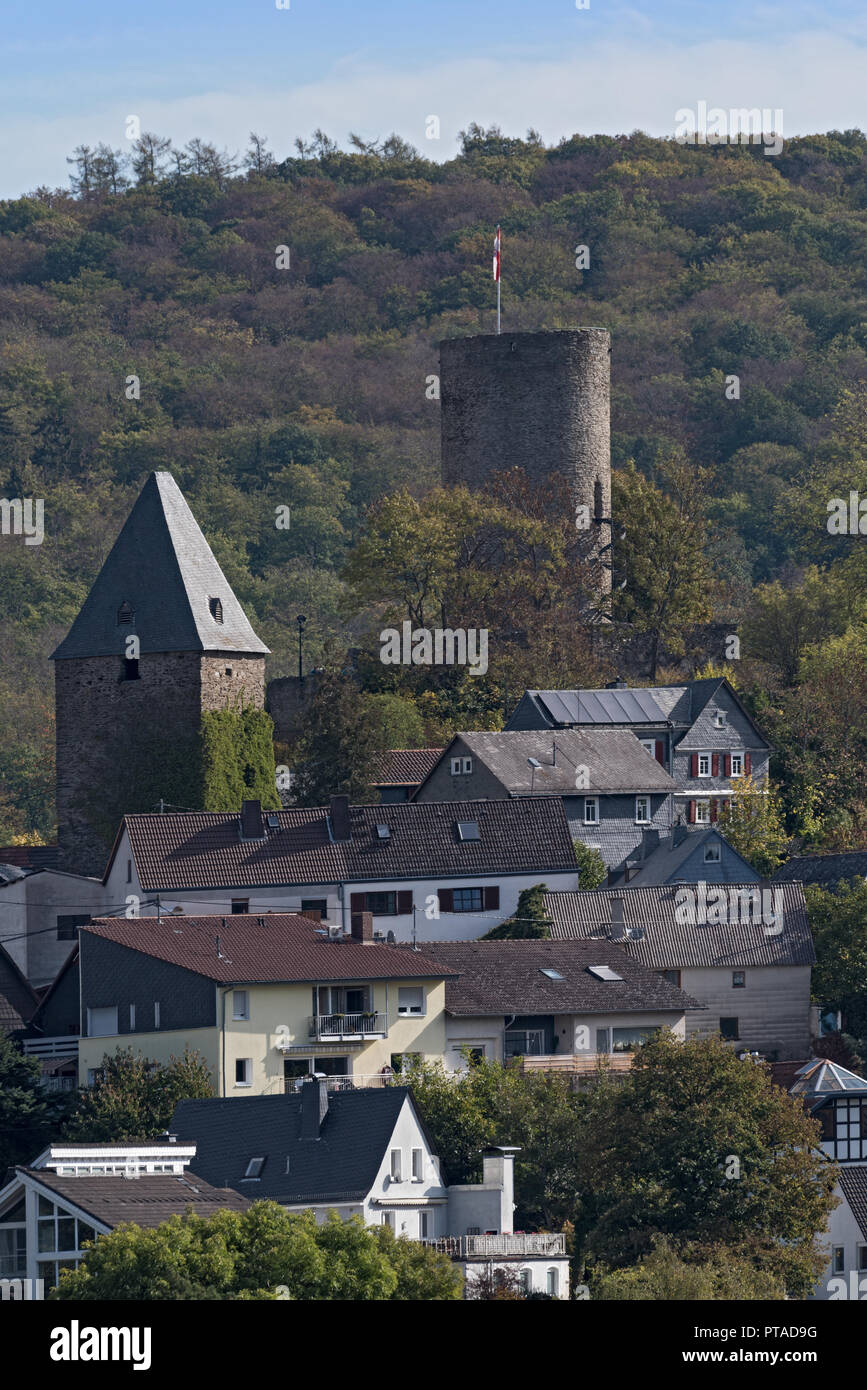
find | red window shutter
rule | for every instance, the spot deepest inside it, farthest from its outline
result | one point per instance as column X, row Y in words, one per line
column 714, row 765
column 492, row 898
column 748, row 763
column 727, row 765
column 713, row 806
column 693, row 765
column 692, row 810
column 357, row 902
column 447, row 899
column 660, row 750
column 404, row 903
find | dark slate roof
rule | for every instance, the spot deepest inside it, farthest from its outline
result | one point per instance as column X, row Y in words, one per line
column 505, row 977
column 277, row 948
column 341, row 1165
column 614, row 758
column 667, row 944
column 825, row 869
column 147, row 1200
column 406, row 767
column 203, row 849
column 853, row 1182
column 30, row 856
column 18, row 1000
column 164, row 568
column 653, row 704
column 662, row 864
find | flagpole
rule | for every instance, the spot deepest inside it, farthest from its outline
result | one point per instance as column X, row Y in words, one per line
column 497, row 248
column 498, row 305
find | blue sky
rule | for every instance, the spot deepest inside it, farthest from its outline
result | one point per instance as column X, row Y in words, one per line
column 73, row 73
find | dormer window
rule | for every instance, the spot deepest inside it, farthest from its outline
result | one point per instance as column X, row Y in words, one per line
column 216, row 608
column 719, row 720
column 125, row 614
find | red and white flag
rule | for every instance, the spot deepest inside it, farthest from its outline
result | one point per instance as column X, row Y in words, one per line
column 497, row 241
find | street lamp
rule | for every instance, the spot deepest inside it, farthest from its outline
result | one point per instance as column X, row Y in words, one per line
column 300, row 620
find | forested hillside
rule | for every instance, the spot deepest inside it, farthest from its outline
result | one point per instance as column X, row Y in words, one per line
column 305, row 386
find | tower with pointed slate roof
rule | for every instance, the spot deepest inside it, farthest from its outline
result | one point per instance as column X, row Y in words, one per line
column 161, row 639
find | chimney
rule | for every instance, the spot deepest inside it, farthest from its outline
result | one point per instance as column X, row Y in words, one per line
column 618, row 926
column 252, row 825
column 340, row 826
column 649, row 842
column 498, row 1171
column 314, row 1106
column 361, row 927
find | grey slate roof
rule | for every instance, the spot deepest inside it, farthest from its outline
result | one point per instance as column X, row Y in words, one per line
column 614, row 758
column 147, row 1200
column 667, row 944
column 853, row 1182
column 827, row 870
column 203, row 849
column 162, row 566
column 341, row 1165
column 651, row 705
column 505, row 977
column 662, row 865
column 18, row 999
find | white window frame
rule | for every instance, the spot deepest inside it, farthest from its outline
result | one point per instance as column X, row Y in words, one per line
column 645, row 819
column 552, row 1282
column 706, row 758
column 109, row 1032
column 594, row 802
column 713, row 853
column 410, row 1011
column 156, row 1013
column 132, row 1018
column 467, row 766
column 719, row 720
column 389, row 1219
column 247, row 1063
column 424, row 1225
column 702, row 813
column 739, row 770
column 240, row 1005
column 456, row 766
column 395, row 1165
column 418, row 1165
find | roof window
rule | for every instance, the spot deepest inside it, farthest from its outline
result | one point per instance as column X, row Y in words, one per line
column 468, row 830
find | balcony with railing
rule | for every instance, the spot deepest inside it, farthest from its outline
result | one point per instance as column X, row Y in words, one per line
column 500, row 1246
column 348, row 1026
column 65, row 1045
column 374, row 1082
column 580, row 1063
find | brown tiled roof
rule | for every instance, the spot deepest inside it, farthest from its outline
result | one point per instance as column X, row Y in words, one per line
column 505, row 977
column 284, row 949
column 147, row 1200
column 200, row 849
column 853, row 1181
column 666, row 944
column 406, row 767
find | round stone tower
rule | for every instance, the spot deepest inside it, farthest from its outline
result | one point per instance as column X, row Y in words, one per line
column 535, row 401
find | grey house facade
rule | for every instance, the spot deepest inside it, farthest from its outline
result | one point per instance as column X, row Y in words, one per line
column 690, row 855
column 753, row 979
column 617, row 797
column 699, row 731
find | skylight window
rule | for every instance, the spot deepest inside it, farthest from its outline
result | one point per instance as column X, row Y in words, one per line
column 552, row 974
column 254, row 1168
column 603, row 972
column 383, row 832
column 468, row 830
column 273, row 821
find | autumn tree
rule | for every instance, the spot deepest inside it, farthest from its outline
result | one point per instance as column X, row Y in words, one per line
column 661, row 575
column 752, row 821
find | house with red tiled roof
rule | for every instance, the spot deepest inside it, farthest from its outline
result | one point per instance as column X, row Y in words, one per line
column 266, row 1000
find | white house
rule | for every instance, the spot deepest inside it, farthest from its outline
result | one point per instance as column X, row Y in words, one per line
column 425, row 871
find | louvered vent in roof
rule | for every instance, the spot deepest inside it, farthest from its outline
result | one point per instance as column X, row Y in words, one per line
column 125, row 614
column 216, row 608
